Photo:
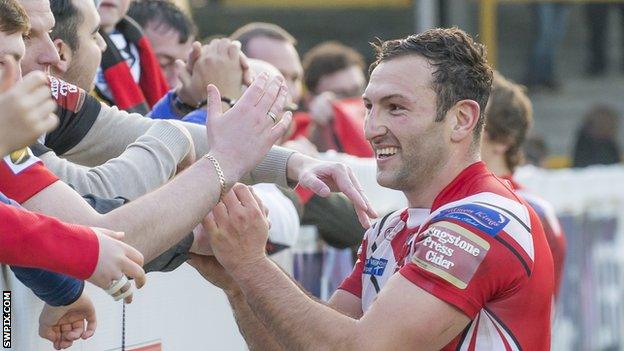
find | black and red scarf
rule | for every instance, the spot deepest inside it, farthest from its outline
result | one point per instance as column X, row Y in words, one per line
column 127, row 94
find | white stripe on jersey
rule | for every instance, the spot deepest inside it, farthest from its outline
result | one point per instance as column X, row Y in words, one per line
column 516, row 227
column 488, row 336
column 382, row 238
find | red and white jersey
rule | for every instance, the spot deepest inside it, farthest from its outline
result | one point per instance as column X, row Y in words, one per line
column 481, row 249
column 552, row 229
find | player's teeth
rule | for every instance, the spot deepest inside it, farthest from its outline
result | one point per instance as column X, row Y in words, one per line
column 389, row 151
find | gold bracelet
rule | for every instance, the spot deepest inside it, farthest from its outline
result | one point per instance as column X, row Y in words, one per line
column 219, row 171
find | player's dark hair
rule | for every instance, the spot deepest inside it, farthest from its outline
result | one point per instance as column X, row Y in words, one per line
column 460, row 66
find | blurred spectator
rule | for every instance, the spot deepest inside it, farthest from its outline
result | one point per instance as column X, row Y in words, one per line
column 551, row 22
column 334, row 73
column 271, row 43
column 535, row 150
column 596, row 141
column 129, row 75
column 598, row 20
column 170, row 31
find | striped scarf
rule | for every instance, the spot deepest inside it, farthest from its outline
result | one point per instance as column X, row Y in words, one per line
column 128, row 95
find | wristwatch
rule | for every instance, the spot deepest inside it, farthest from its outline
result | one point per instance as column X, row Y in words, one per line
column 183, row 107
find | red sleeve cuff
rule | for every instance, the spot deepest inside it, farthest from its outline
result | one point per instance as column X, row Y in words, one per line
column 352, row 286
column 33, row 240
column 23, row 180
column 441, row 290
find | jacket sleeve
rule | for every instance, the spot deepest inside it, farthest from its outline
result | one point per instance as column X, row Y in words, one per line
column 336, row 220
column 113, row 130
column 53, row 288
column 144, row 165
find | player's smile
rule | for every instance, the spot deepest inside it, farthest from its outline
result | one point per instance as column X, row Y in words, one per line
column 385, row 153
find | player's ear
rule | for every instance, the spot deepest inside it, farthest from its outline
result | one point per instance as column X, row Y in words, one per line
column 65, row 53
column 464, row 117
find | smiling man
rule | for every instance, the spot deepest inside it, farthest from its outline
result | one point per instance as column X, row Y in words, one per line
column 465, row 267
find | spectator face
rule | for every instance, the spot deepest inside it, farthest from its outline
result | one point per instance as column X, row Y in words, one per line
column 410, row 147
column 40, row 50
column 346, row 83
column 83, row 62
column 12, row 45
column 111, row 12
column 284, row 57
column 168, row 49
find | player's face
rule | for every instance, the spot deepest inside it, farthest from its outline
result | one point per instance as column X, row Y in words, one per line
column 410, row 146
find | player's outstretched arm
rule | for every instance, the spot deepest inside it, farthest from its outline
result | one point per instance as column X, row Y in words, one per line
column 297, row 321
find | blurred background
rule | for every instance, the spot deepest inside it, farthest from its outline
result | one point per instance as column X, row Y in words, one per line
column 522, row 37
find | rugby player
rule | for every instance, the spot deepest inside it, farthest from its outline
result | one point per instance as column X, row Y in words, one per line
column 465, row 267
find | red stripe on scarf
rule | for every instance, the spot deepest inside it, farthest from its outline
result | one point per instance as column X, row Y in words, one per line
column 125, row 92
column 152, row 82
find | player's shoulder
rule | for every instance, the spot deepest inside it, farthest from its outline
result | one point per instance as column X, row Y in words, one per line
column 486, row 212
column 490, row 219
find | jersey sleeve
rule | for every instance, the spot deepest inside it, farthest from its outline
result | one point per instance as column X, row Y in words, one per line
column 22, row 175
column 77, row 112
column 353, row 283
column 33, row 240
column 465, row 263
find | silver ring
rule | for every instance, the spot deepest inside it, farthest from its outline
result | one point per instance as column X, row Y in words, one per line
column 124, row 295
column 116, row 285
column 273, row 116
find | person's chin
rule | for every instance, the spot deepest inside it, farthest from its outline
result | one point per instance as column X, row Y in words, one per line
column 386, row 180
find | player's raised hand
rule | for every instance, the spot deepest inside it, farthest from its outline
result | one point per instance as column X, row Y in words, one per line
column 240, row 229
